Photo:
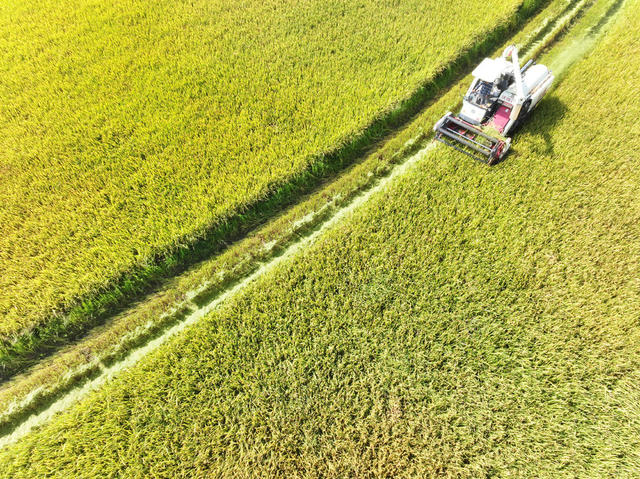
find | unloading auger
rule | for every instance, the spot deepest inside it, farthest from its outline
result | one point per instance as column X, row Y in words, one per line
column 500, row 98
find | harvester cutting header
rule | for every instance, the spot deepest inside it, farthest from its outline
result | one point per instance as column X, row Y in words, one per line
column 499, row 99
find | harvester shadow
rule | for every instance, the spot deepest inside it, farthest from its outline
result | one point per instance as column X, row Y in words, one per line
column 544, row 121
column 552, row 110
column 540, row 124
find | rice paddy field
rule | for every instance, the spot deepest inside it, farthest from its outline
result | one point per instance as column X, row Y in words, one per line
column 462, row 322
column 129, row 129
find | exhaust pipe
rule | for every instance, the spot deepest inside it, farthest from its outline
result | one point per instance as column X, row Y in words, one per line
column 527, row 65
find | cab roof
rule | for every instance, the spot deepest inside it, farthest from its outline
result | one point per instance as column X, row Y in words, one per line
column 491, row 68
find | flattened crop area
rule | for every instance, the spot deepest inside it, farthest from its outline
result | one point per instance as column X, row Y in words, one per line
column 127, row 129
column 465, row 322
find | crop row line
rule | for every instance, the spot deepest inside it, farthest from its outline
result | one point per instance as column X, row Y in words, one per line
column 195, row 315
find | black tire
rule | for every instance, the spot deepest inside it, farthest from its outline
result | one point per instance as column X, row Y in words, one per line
column 524, row 114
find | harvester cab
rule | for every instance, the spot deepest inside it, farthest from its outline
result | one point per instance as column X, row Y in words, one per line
column 500, row 97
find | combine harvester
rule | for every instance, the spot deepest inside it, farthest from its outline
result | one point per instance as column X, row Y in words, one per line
column 499, row 99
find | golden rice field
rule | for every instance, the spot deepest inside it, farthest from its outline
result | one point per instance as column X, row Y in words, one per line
column 128, row 128
column 134, row 326
column 465, row 322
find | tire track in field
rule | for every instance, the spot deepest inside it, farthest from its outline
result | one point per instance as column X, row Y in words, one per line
column 64, row 325
column 196, row 313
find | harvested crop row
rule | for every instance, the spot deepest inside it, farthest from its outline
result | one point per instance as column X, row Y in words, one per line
column 473, row 322
column 128, row 129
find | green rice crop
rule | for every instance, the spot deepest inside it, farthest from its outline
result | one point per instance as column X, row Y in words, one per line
column 128, row 129
column 468, row 322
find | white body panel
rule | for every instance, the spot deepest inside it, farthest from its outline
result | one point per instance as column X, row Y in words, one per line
column 472, row 112
column 539, row 92
column 508, row 97
column 533, row 77
column 490, row 69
